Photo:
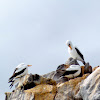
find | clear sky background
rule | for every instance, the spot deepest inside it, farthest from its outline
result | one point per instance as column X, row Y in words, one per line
column 35, row 32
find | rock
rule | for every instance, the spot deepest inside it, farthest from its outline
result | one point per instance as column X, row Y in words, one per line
column 47, row 90
column 34, row 87
column 40, row 92
column 87, row 68
column 49, row 75
column 90, row 88
column 54, row 86
column 61, row 69
column 71, row 61
column 33, row 80
column 80, row 88
column 95, row 68
column 57, row 75
column 44, row 92
column 69, row 89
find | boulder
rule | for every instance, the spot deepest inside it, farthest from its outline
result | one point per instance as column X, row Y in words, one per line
column 69, row 89
column 90, row 88
column 71, row 61
column 95, row 68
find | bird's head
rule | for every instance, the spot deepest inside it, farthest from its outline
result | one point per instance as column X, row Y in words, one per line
column 23, row 65
column 69, row 44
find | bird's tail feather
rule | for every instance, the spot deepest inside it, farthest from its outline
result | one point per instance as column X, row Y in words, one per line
column 13, row 81
column 84, row 62
column 10, row 80
column 11, row 85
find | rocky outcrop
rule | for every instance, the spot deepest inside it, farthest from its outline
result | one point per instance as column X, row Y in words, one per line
column 35, row 87
column 69, row 89
column 54, row 86
column 90, row 88
column 40, row 92
column 47, row 89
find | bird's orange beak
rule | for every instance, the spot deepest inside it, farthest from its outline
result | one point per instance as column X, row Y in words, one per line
column 70, row 47
column 29, row 65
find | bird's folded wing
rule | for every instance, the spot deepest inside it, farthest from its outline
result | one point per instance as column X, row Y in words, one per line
column 18, row 74
column 79, row 53
column 70, row 72
column 18, row 69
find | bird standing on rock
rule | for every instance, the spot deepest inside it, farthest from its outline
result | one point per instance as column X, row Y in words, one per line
column 19, row 74
column 74, row 52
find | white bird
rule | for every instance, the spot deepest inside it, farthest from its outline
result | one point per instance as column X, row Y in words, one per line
column 74, row 52
column 72, row 71
column 19, row 74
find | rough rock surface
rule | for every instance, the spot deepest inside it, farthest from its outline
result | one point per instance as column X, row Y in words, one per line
column 71, row 61
column 69, row 89
column 35, row 87
column 90, row 88
column 46, row 89
column 40, row 92
column 53, row 86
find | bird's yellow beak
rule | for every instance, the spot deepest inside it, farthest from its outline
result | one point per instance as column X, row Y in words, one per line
column 29, row 65
column 70, row 47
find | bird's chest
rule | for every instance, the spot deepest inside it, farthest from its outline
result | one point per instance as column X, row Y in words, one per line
column 72, row 52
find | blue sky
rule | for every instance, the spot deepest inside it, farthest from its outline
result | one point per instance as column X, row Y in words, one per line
column 35, row 32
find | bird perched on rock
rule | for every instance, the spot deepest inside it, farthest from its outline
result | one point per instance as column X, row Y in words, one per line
column 72, row 71
column 74, row 52
column 69, row 71
column 19, row 74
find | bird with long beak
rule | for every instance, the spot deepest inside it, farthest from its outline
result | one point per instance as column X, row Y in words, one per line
column 19, row 75
column 74, row 52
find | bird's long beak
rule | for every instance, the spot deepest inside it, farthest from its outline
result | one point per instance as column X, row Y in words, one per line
column 29, row 65
column 70, row 47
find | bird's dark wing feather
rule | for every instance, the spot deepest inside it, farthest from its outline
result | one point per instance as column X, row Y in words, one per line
column 15, row 70
column 79, row 53
column 15, row 74
column 11, row 85
column 70, row 72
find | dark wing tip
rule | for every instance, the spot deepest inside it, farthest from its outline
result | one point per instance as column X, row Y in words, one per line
column 11, row 85
column 84, row 62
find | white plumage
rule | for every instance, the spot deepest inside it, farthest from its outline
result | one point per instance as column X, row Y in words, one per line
column 73, row 71
column 18, row 75
column 74, row 52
